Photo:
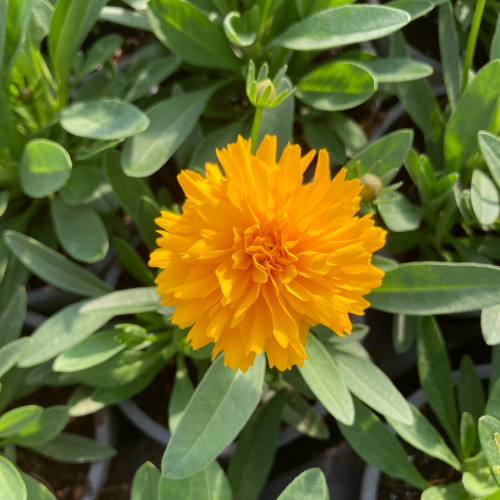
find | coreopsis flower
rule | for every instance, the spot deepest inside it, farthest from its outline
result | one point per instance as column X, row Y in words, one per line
column 257, row 256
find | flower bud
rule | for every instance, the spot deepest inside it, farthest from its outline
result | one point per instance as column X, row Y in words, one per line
column 25, row 94
column 372, row 186
column 263, row 93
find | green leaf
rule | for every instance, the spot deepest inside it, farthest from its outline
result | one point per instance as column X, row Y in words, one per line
column 131, row 301
column 450, row 55
column 404, row 332
column 146, row 482
column 484, row 198
column 321, row 135
column 453, row 491
column 147, row 211
column 474, row 112
column 12, row 320
column 80, row 231
column 10, row 353
column 437, row 288
column 44, row 168
column 14, row 421
column 382, row 158
column 209, row 483
column 182, row 392
column 236, row 32
column 184, row 30
column 415, row 8
column 125, row 17
column 399, row 214
column 4, row 201
column 434, row 372
column 370, row 384
column 495, row 43
column 133, row 262
column 36, row 490
column 127, row 190
column 299, row 414
column 394, row 70
column 72, row 448
column 61, row 331
column 489, row 429
column 101, row 51
column 490, row 324
column 375, row 444
column 470, row 392
column 89, row 352
column 254, row 455
column 53, row 267
column 422, row 435
column 218, row 410
column 104, row 119
column 71, row 22
column 171, row 121
column 11, row 483
column 338, row 26
column 468, row 435
column 152, row 74
column 336, row 86
column 490, row 147
column 326, row 382
column 83, row 185
column 311, row 484
column 50, row 424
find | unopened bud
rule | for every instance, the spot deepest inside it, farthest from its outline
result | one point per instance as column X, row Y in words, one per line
column 25, row 94
column 262, row 89
column 372, row 186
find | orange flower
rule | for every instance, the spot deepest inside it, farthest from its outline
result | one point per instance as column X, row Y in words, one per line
column 257, row 257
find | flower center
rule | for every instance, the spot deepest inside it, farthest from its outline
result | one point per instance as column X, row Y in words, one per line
column 262, row 249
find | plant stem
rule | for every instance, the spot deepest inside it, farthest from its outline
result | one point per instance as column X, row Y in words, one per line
column 255, row 127
column 471, row 42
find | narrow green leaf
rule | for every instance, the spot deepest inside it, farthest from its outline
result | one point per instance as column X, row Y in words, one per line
column 336, row 86
column 338, row 26
column 133, row 262
column 71, row 22
column 80, row 231
column 434, row 372
column 236, row 31
column 299, row 414
column 311, row 484
column 14, row 421
column 489, row 428
column 146, row 483
column 399, row 214
column 182, row 392
column 100, row 52
column 147, row 211
column 321, row 135
column 209, row 483
column 370, row 384
column 125, row 17
column 490, row 147
column 44, row 168
column 422, row 435
column 485, row 198
column 50, row 424
column 4, row 201
column 437, row 288
column 61, row 331
column 11, row 483
column 254, row 455
column 12, row 320
column 185, row 30
column 453, row 491
column 450, row 55
column 495, row 43
column 470, row 392
column 53, row 267
column 382, row 158
column 468, row 435
column 490, row 324
column 35, row 489
column 375, row 444
column 394, row 70
column 218, row 410
column 104, row 119
column 89, row 352
column 72, row 448
column 11, row 352
column 474, row 112
column 131, row 301
column 404, row 332
column 326, row 382
column 171, row 121
column 415, row 8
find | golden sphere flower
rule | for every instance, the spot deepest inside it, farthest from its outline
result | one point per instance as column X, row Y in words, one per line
column 257, row 257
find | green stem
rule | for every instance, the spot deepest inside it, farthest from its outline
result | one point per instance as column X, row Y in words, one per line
column 255, row 127
column 471, row 42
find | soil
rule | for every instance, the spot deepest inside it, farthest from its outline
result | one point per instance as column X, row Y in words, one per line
column 65, row 481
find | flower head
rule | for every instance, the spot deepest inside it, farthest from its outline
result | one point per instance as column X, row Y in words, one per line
column 257, row 257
